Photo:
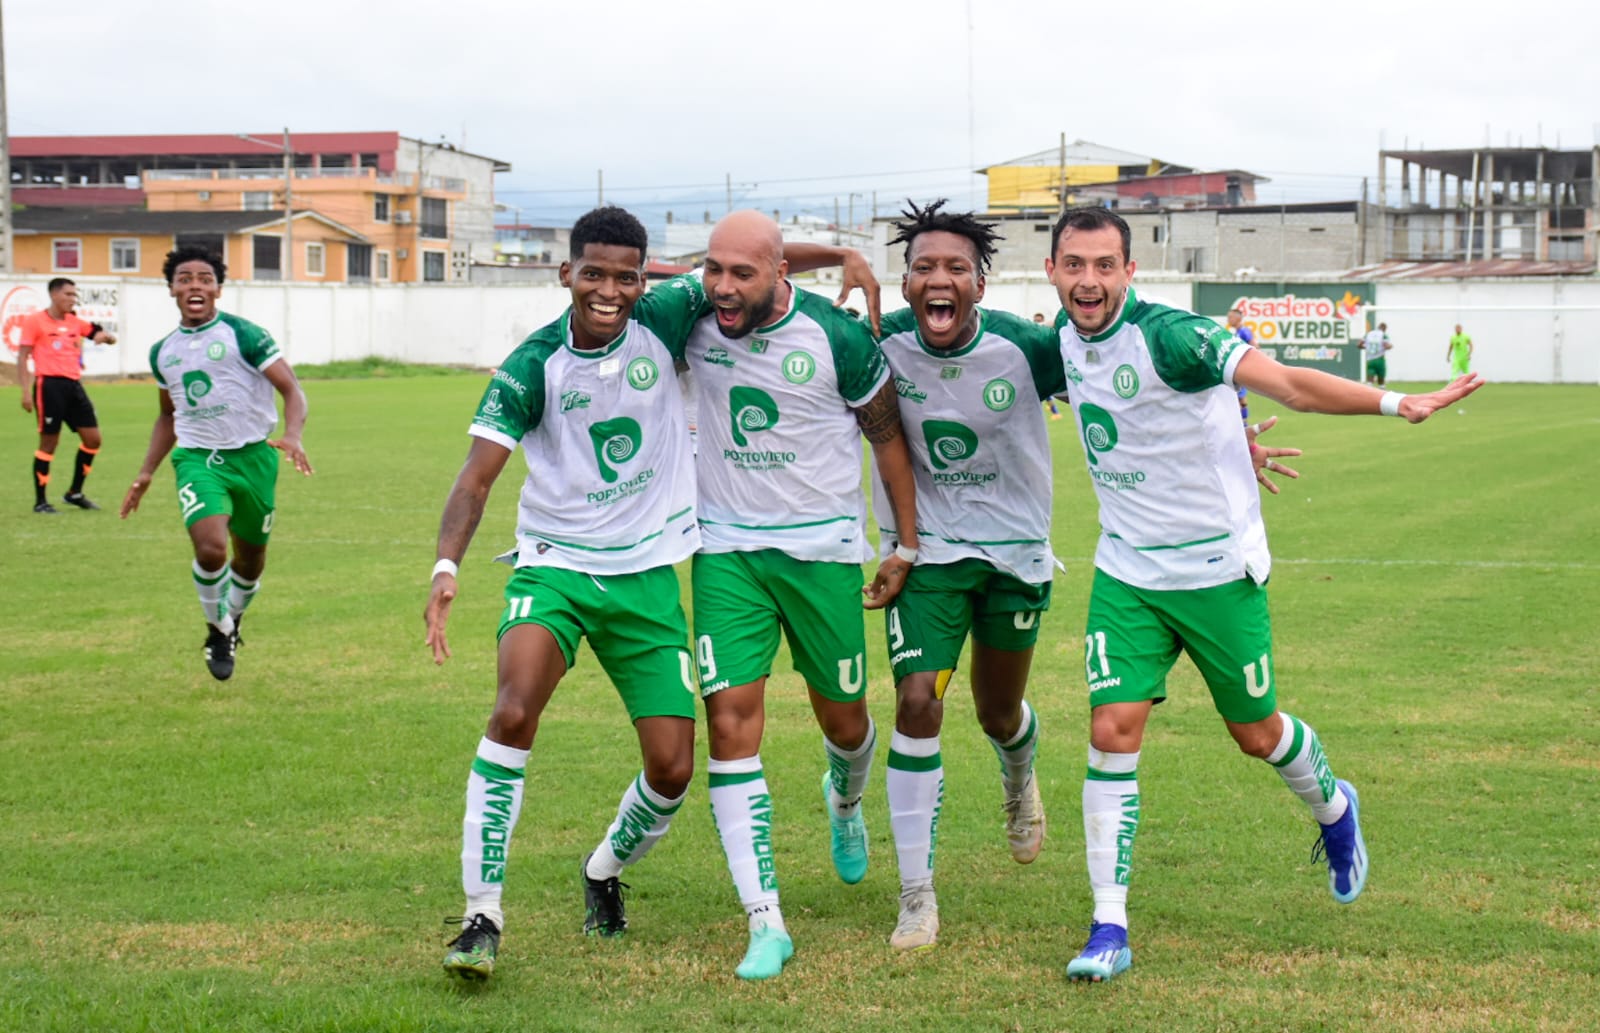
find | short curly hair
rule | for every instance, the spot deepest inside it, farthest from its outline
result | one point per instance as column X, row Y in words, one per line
column 609, row 225
column 193, row 253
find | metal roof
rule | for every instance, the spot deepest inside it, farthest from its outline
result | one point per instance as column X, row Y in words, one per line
column 1493, row 267
column 1079, row 152
column 139, row 221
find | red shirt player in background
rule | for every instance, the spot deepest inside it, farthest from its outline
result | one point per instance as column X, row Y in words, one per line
column 53, row 390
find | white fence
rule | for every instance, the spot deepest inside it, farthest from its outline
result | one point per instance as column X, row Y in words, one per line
column 1542, row 331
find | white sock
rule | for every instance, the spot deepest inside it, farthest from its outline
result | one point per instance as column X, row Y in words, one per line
column 240, row 592
column 916, row 795
column 1110, row 821
column 741, row 808
column 494, row 799
column 642, row 819
column 212, row 587
column 850, row 770
column 1016, row 754
column 1304, row 769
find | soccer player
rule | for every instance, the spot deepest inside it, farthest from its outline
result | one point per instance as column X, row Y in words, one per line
column 1459, row 352
column 787, row 386
column 216, row 374
column 1182, row 561
column 1375, row 346
column 969, row 381
column 607, row 507
column 53, row 389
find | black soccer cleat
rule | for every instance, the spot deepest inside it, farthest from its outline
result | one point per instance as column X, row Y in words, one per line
column 602, row 899
column 44, row 507
column 79, row 499
column 219, row 653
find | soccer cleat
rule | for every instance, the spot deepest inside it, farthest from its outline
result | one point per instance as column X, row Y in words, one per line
column 602, row 901
column 918, row 928
column 1346, row 852
column 1025, row 822
column 219, row 653
column 765, row 957
column 1105, row 955
column 471, row 957
column 79, row 499
column 238, row 639
column 849, row 846
column 44, row 507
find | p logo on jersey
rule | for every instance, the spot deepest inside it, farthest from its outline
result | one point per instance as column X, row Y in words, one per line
column 196, row 385
column 948, row 442
column 753, row 409
column 1099, row 431
column 615, row 442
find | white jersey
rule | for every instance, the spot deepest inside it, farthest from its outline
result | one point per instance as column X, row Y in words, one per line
column 1376, row 343
column 213, row 374
column 1159, row 423
column 779, row 450
column 980, row 452
column 610, row 486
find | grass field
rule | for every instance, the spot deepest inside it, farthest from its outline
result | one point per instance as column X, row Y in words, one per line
column 277, row 852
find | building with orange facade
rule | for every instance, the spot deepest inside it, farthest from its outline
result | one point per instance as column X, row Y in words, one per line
column 368, row 207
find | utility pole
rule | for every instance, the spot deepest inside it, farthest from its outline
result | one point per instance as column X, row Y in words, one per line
column 728, row 191
column 1061, row 209
column 6, row 261
column 288, row 206
column 600, row 188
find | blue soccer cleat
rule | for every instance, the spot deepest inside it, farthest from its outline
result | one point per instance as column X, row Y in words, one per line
column 768, row 951
column 849, row 847
column 1345, row 850
column 1105, row 955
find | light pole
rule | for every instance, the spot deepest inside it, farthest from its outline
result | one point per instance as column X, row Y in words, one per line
column 288, row 197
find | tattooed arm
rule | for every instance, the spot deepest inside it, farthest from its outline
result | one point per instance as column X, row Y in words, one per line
column 879, row 420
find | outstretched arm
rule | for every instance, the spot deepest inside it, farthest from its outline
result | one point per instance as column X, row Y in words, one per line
column 879, row 420
column 162, row 437
column 462, row 511
column 804, row 258
column 1309, row 390
column 281, row 376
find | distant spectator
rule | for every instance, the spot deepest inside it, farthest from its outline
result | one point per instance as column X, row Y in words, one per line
column 1375, row 346
column 1459, row 352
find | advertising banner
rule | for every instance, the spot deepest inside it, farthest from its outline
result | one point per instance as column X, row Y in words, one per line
column 1299, row 324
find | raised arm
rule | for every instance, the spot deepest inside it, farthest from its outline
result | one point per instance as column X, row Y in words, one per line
column 1309, row 390
column 805, row 258
column 462, row 511
column 879, row 420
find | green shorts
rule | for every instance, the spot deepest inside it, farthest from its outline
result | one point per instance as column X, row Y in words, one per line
column 1378, row 369
column 1458, row 367
column 742, row 599
column 240, row 483
column 1134, row 635
column 928, row 623
column 634, row 623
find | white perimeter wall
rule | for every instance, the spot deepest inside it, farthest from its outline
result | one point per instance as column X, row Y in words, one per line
column 1526, row 330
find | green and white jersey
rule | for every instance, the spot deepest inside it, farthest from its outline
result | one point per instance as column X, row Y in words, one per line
column 979, row 449
column 610, row 486
column 779, row 464
column 1375, row 343
column 1159, row 421
column 213, row 374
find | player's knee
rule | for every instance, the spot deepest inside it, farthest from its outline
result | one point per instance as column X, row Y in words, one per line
column 1254, row 741
column 670, row 776
column 211, row 555
column 917, row 712
column 999, row 722
column 846, row 726
column 512, row 722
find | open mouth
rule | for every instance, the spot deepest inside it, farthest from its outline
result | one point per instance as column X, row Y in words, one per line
column 1090, row 305
column 940, row 314
column 728, row 316
column 604, row 313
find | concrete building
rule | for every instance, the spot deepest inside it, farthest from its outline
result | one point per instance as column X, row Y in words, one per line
column 419, row 211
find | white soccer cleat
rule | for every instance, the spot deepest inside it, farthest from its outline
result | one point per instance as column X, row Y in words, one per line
column 918, row 928
column 1025, row 822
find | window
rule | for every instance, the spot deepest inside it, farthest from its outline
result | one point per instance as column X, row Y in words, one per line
column 1155, row 234
column 380, row 208
column 435, row 219
column 433, row 266
column 357, row 263
column 257, row 201
column 66, row 256
column 125, row 255
column 315, row 260
column 383, row 265
column 266, row 255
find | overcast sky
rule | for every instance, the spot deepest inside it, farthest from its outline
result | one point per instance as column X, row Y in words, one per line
column 805, row 102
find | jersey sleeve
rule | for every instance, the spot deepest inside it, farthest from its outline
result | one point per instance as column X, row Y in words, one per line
column 30, row 331
column 513, row 403
column 670, row 308
column 1040, row 344
column 1190, row 353
column 256, row 344
column 857, row 357
column 155, row 370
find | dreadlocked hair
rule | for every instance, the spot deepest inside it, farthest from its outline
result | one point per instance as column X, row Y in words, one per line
column 963, row 224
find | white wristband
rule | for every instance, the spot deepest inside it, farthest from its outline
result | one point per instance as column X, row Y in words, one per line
column 1389, row 404
column 909, row 555
column 445, row 567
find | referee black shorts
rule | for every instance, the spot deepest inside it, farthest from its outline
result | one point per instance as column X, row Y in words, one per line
column 58, row 400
